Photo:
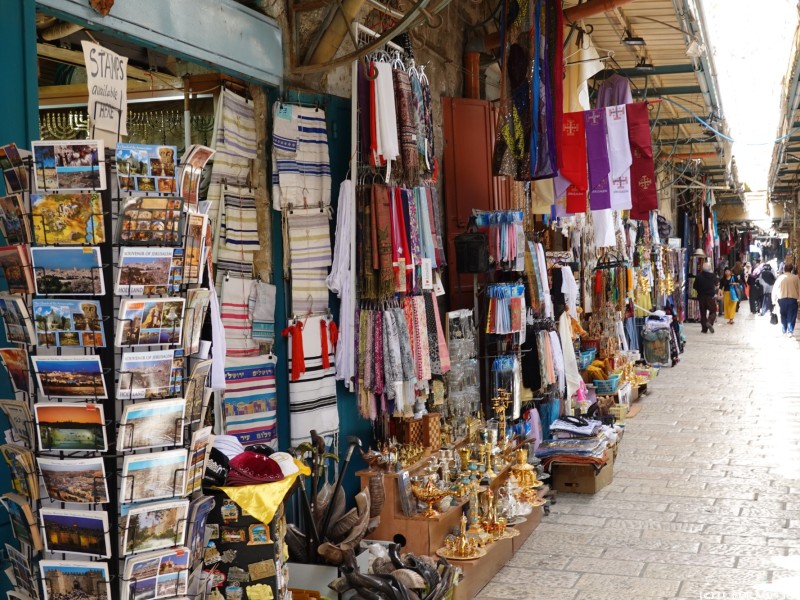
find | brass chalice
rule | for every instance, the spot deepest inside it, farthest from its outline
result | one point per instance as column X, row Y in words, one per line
column 430, row 495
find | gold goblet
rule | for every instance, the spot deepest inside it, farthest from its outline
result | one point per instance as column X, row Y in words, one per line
column 430, row 495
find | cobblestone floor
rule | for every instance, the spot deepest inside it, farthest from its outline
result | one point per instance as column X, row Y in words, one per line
column 705, row 501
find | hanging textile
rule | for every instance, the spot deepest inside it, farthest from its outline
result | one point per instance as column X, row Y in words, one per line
column 262, row 311
column 573, row 174
column 309, row 248
column 303, row 175
column 613, row 91
column 543, row 152
column 239, row 228
column 619, row 155
column 250, row 401
column 572, row 374
column 597, row 152
column 312, row 396
column 386, row 146
column 235, row 315
column 406, row 126
column 643, row 189
column 582, row 66
column 506, row 308
column 339, row 282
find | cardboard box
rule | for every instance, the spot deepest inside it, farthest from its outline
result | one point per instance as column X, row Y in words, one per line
column 581, row 479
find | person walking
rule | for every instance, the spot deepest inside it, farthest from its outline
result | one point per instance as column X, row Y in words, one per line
column 755, row 292
column 706, row 284
column 728, row 303
column 767, row 279
column 786, row 293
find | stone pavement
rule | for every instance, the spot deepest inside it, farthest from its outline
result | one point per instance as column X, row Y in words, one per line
column 705, row 501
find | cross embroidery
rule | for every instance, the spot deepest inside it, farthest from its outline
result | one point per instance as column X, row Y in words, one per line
column 645, row 182
column 571, row 127
column 616, row 112
column 637, row 153
column 594, row 116
column 621, row 183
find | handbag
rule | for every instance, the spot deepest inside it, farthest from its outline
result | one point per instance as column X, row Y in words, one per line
column 732, row 292
column 472, row 249
column 739, row 290
column 773, row 319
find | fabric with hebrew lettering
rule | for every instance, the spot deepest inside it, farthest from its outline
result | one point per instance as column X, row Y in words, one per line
column 250, row 402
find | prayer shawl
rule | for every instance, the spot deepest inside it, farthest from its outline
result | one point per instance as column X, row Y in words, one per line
column 643, row 176
column 310, row 256
column 304, row 178
column 339, row 282
column 239, row 229
column 235, row 315
column 406, row 126
column 573, row 142
column 262, row 310
column 597, row 152
column 619, row 156
column 312, row 396
column 309, row 291
column 250, row 401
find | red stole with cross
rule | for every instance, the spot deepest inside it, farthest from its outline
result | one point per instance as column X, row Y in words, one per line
column 573, row 145
column 643, row 173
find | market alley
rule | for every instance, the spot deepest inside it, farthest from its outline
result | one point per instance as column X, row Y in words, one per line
column 704, row 501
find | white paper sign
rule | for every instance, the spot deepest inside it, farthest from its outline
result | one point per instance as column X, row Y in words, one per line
column 107, row 79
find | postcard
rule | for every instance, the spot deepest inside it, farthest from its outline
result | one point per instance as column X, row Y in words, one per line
column 64, row 426
column 68, row 165
column 16, row 319
column 196, row 463
column 150, row 322
column 21, row 420
column 15, row 360
column 81, row 480
column 70, row 376
column 196, row 391
column 151, row 424
column 16, row 266
column 150, row 221
column 194, row 246
column 21, row 567
column 146, row 168
column 71, row 219
column 22, row 465
column 199, row 510
column 68, row 271
column 156, row 374
column 15, row 172
column 76, row 531
column 23, row 524
column 76, row 323
column 13, row 221
column 154, row 526
column 197, row 303
column 86, row 580
column 194, row 161
column 153, row 476
column 157, row 574
column 144, row 271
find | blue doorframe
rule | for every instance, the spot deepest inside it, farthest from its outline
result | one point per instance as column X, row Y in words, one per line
column 338, row 116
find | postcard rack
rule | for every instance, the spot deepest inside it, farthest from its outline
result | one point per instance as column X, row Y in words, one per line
column 108, row 441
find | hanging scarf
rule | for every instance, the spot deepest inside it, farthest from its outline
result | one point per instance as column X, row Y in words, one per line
column 573, row 144
column 597, row 152
column 406, row 126
column 392, row 358
column 368, row 288
column 643, row 177
column 382, row 238
column 378, row 386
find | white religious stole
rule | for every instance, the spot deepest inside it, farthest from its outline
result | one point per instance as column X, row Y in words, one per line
column 619, row 157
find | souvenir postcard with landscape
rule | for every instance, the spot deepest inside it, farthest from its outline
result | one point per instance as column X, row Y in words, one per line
column 79, row 480
column 194, row 247
column 16, row 266
column 197, row 303
column 68, row 271
column 76, row 323
column 157, row 574
column 75, row 531
column 145, row 271
column 69, row 165
column 153, row 476
column 22, row 572
column 151, row 322
column 21, row 420
column 154, row 525
column 146, row 168
column 84, row 580
column 22, row 522
column 64, row 426
column 15, row 360
column 70, row 376
column 13, row 223
column 199, row 510
column 157, row 374
column 151, row 424
column 196, row 391
column 15, row 172
column 151, row 221
column 21, row 463
column 16, row 320
column 71, row 219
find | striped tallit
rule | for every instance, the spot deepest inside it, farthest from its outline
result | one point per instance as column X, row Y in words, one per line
column 239, row 228
column 235, row 314
column 250, row 400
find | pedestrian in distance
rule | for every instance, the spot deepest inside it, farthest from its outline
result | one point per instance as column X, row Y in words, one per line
column 706, row 285
column 786, row 293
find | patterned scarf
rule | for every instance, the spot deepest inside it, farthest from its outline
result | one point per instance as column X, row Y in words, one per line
column 406, row 126
column 369, row 282
column 382, row 236
column 378, row 356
